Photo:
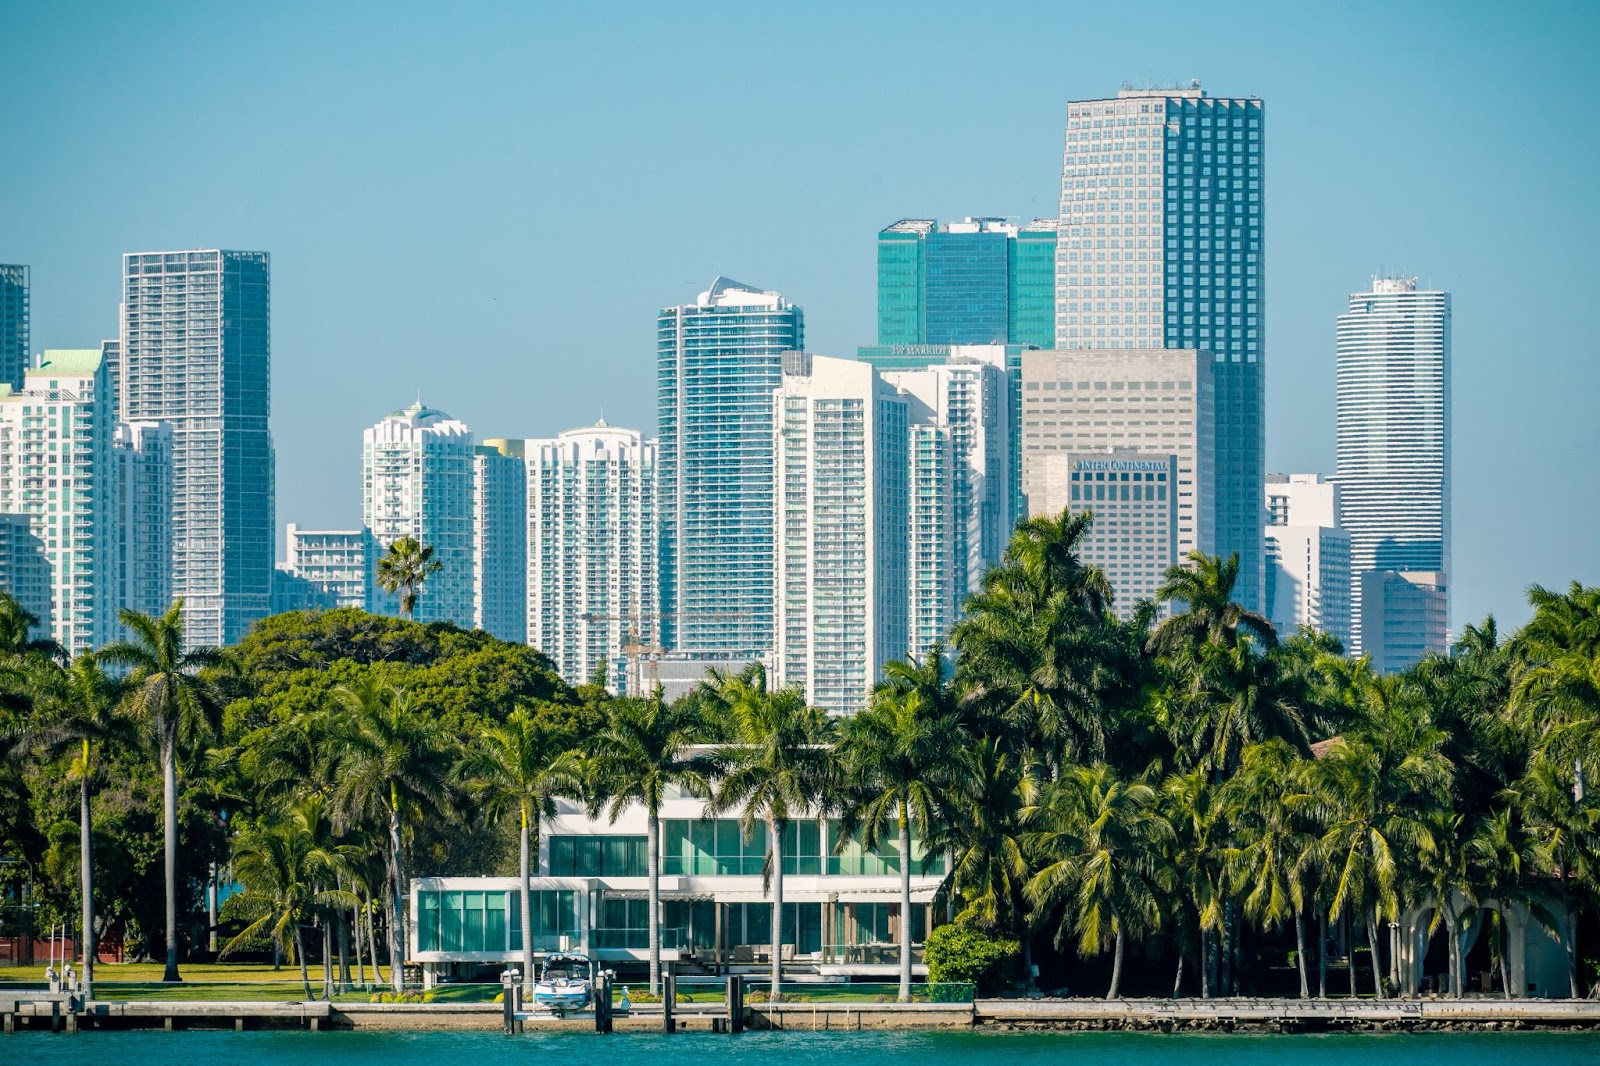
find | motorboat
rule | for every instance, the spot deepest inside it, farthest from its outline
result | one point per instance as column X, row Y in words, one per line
column 566, row 983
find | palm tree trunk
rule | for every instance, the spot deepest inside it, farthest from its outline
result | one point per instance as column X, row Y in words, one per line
column 776, row 830
column 1505, row 961
column 1322, row 954
column 397, row 931
column 1377, row 969
column 1453, row 954
column 169, row 805
column 1116, row 965
column 344, row 944
column 300, row 951
column 653, row 866
column 1225, row 953
column 327, row 958
column 1350, row 952
column 1300, row 951
column 905, row 904
column 1205, row 964
column 86, row 877
column 355, row 916
column 372, row 942
column 1177, row 982
column 526, row 870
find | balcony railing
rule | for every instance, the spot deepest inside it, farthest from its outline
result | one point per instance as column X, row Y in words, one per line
column 634, row 939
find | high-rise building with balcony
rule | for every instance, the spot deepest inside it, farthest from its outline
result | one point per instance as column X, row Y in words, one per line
column 841, row 602
column 977, row 281
column 56, row 469
column 592, row 564
column 142, row 528
column 1161, row 246
column 25, row 572
column 332, row 568
column 195, row 354
column 1308, row 556
column 718, row 361
column 500, row 540
column 15, row 353
column 417, row 482
column 1393, row 444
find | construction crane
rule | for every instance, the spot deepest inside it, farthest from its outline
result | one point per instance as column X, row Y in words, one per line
column 633, row 651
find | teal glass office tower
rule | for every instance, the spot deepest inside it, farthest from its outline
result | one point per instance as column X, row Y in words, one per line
column 977, row 281
column 718, row 363
column 14, row 339
column 1160, row 245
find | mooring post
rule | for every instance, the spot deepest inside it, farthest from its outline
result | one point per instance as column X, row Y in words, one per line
column 602, row 1004
column 55, row 1016
column 508, row 998
column 735, row 1003
column 669, row 1003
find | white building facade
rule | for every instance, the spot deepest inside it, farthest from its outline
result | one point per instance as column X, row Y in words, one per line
column 1308, row 557
column 335, row 563
column 417, row 482
column 592, row 535
column 841, row 605
column 500, row 540
column 142, row 528
column 1393, row 445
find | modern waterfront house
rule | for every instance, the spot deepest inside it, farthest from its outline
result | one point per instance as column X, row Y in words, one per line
column 841, row 906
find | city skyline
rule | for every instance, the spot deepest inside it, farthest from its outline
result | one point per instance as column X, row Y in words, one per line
column 1412, row 213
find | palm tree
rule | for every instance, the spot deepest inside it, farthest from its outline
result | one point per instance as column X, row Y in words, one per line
column 1099, row 839
column 1224, row 697
column 1503, row 858
column 905, row 760
column 171, row 693
column 16, row 633
column 990, row 867
column 404, row 568
column 1565, row 828
column 80, row 711
column 1196, row 857
column 777, row 767
column 395, row 764
column 645, row 748
column 522, row 765
column 1203, row 586
column 1556, row 682
column 283, row 865
column 1265, row 802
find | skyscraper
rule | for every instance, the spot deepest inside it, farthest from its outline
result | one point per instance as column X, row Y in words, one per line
column 500, row 540
column 196, row 352
column 1161, row 245
column 14, row 338
column 1393, row 446
column 718, row 361
column 841, row 512
column 142, row 528
column 1405, row 616
column 977, row 281
column 1308, row 557
column 417, row 482
column 1151, row 403
column 332, row 568
column 56, row 469
column 592, row 563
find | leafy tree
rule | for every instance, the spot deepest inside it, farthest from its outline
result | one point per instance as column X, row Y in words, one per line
column 171, row 693
column 1203, row 587
column 404, row 568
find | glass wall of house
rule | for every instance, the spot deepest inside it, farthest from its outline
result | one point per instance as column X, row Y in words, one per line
column 847, row 857
column 718, row 848
column 711, row 848
column 490, row 922
column 599, row 856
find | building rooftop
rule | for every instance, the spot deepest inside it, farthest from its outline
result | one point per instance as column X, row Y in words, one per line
column 418, row 414
column 69, row 361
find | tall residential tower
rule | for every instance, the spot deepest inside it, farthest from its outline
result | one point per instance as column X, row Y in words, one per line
column 1393, row 448
column 1161, row 246
column 195, row 353
column 14, row 337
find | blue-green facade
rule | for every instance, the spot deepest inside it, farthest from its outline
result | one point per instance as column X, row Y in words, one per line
column 981, row 281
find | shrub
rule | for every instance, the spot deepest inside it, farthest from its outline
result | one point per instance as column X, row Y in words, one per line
column 958, row 953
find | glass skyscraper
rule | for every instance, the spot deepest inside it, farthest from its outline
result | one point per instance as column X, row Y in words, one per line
column 196, row 353
column 14, row 339
column 719, row 361
column 978, row 281
column 1393, row 449
column 1161, row 245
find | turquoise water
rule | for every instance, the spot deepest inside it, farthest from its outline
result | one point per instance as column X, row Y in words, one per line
column 796, row 1049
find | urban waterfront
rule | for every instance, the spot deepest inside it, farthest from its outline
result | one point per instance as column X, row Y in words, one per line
column 809, row 1049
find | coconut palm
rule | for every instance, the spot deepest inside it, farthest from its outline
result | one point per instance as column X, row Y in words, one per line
column 17, row 626
column 990, row 867
column 905, row 758
column 645, row 748
column 1203, row 588
column 776, row 768
column 1196, row 856
column 1504, row 859
column 395, row 763
column 1224, row 697
column 404, row 568
column 79, row 712
column 1099, row 839
column 170, row 692
column 1565, row 828
column 283, row 865
column 522, row 765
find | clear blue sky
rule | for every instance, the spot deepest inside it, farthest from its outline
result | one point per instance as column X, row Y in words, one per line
column 489, row 202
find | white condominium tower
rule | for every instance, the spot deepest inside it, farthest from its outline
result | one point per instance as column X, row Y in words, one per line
column 717, row 361
column 56, row 470
column 841, row 601
column 1308, row 557
column 1393, row 448
column 333, row 567
column 417, row 482
column 1149, row 403
column 195, row 351
column 500, row 540
column 142, row 528
column 592, row 536
column 1161, row 246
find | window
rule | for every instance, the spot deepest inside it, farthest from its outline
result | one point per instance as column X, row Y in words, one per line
column 599, row 856
column 712, row 848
